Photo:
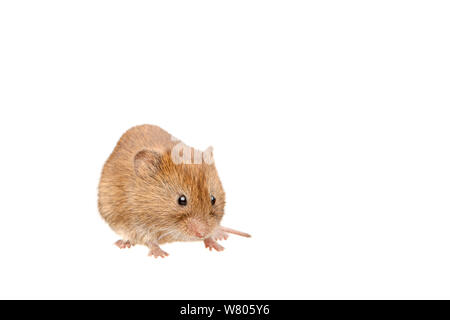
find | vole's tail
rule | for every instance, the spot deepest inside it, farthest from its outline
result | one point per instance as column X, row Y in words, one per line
column 239, row 233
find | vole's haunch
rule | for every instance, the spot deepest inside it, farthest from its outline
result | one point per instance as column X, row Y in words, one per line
column 154, row 190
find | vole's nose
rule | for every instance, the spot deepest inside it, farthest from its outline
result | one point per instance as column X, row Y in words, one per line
column 199, row 234
column 197, row 228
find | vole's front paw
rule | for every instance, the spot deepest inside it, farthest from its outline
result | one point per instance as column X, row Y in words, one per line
column 212, row 244
column 123, row 244
column 219, row 234
column 156, row 252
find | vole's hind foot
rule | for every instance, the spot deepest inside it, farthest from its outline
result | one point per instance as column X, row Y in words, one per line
column 122, row 244
column 210, row 243
column 156, row 251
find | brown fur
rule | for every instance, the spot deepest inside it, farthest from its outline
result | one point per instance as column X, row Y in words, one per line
column 140, row 186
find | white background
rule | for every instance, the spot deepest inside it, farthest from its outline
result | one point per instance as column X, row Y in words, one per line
column 329, row 119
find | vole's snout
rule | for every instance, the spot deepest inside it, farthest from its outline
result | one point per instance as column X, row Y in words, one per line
column 199, row 235
column 197, row 228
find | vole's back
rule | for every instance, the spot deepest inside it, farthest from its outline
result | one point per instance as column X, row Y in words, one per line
column 118, row 175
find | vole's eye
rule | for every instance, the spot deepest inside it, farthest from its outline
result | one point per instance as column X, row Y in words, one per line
column 182, row 201
column 213, row 200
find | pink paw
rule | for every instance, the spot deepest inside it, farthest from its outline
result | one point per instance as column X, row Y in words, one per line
column 219, row 235
column 157, row 252
column 212, row 244
column 123, row 244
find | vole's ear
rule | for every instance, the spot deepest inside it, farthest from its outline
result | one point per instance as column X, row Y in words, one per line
column 146, row 163
column 208, row 157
